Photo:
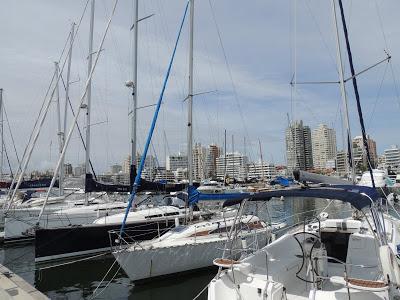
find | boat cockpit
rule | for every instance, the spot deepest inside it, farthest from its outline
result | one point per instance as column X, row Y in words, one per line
column 312, row 261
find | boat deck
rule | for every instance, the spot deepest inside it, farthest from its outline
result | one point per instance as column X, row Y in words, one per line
column 14, row 287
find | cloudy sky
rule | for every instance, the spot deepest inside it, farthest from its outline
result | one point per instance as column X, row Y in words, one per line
column 246, row 69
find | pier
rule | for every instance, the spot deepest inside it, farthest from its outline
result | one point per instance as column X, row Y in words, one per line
column 14, row 287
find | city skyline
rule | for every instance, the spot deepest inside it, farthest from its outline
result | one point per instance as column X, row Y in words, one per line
column 238, row 166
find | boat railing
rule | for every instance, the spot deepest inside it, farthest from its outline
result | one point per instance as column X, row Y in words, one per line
column 134, row 236
column 316, row 279
column 300, row 219
column 235, row 248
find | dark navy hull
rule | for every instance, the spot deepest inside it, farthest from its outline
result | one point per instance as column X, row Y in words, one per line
column 29, row 184
column 65, row 242
column 36, row 183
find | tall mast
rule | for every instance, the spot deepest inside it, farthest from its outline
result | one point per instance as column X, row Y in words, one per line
column 190, row 96
column 75, row 119
column 2, row 133
column 357, row 95
column 89, row 96
column 60, row 134
column 132, row 171
column 350, row 168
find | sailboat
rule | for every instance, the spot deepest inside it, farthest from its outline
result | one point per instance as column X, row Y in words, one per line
column 92, row 236
column 338, row 258
column 190, row 247
column 195, row 245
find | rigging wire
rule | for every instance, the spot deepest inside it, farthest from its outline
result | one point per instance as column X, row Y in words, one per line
column 154, row 121
column 36, row 129
column 246, row 132
column 395, row 83
column 121, row 67
column 11, row 134
column 94, row 295
column 8, row 160
column 321, row 35
column 142, row 161
column 79, row 129
column 377, row 98
column 355, row 87
column 82, row 98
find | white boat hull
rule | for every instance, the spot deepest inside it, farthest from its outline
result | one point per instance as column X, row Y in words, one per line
column 140, row 264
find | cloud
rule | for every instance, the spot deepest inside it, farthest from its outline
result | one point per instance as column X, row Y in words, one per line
column 258, row 39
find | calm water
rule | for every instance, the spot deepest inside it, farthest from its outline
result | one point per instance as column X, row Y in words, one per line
column 79, row 280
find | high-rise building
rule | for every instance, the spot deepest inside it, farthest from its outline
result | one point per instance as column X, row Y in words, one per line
column 323, row 147
column 234, row 166
column 176, row 161
column 164, row 175
column 299, row 147
column 212, row 153
column 308, row 156
column 264, row 171
column 199, row 157
column 126, row 165
column 341, row 162
column 382, row 161
column 79, row 170
column 392, row 158
column 372, row 150
column 180, row 174
column 360, row 155
column 149, row 163
column 68, row 169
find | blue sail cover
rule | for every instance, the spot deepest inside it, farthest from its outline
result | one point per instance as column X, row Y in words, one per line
column 283, row 181
column 196, row 196
column 358, row 196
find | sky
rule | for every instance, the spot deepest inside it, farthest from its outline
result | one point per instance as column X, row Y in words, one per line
column 245, row 55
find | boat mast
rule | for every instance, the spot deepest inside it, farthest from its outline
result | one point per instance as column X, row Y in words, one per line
column 75, row 119
column 2, row 133
column 190, row 96
column 133, row 169
column 89, row 96
column 355, row 87
column 60, row 134
column 350, row 168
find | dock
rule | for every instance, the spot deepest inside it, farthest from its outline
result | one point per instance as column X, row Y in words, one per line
column 13, row 287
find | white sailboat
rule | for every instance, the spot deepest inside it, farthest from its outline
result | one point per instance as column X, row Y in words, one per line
column 61, row 212
column 381, row 179
column 350, row 258
column 190, row 247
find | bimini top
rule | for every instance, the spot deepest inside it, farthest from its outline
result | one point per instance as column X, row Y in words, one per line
column 358, row 196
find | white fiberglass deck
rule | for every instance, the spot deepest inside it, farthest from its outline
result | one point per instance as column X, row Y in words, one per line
column 325, row 262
